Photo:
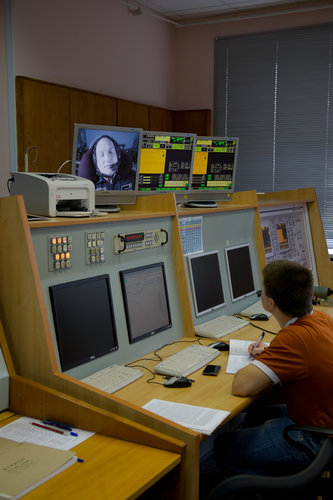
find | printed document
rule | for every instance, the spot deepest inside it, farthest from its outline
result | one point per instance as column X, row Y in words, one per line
column 198, row 418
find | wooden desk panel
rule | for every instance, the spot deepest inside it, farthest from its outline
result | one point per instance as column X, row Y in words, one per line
column 213, row 392
column 112, row 468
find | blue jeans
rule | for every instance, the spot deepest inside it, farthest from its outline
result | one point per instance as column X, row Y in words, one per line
column 258, row 447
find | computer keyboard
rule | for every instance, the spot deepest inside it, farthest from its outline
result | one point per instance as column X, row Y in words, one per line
column 187, row 360
column 255, row 308
column 219, row 327
column 112, row 378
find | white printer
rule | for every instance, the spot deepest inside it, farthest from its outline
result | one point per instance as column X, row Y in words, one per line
column 54, row 195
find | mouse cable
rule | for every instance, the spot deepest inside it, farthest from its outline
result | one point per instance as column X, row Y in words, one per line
column 263, row 329
column 151, row 379
column 255, row 326
column 130, row 363
column 176, row 342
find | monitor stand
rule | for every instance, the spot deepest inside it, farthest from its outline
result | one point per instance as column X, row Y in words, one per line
column 201, row 204
column 107, row 208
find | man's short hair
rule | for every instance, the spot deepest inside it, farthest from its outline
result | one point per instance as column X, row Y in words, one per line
column 290, row 285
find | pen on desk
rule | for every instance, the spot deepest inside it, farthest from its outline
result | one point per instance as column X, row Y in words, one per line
column 66, row 427
column 257, row 343
column 58, row 431
column 53, row 429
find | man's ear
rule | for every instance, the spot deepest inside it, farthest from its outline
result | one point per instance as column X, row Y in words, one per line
column 271, row 305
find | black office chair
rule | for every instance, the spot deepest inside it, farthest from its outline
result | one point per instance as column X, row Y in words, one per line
column 314, row 481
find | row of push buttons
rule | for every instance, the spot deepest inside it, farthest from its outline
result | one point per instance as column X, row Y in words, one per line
column 60, row 248
column 95, row 247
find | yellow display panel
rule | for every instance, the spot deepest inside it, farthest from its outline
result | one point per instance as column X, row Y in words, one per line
column 152, row 161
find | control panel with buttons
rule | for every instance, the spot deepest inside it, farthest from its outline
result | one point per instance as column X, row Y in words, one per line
column 130, row 242
column 95, row 247
column 60, row 249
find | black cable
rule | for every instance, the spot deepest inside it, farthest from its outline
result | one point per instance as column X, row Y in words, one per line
column 8, row 181
column 255, row 326
column 149, row 380
column 176, row 342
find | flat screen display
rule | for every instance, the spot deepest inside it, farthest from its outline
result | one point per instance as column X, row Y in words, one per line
column 240, row 271
column 108, row 156
column 214, row 168
column 83, row 320
column 146, row 301
column 166, row 162
column 206, row 282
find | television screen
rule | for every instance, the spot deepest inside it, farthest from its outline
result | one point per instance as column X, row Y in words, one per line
column 206, row 281
column 240, row 271
column 146, row 301
column 83, row 320
column 109, row 157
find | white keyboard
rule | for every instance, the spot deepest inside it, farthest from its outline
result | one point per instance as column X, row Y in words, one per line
column 112, row 378
column 255, row 308
column 219, row 327
column 187, row 360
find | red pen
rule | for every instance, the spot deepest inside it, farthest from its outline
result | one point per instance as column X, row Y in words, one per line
column 47, row 427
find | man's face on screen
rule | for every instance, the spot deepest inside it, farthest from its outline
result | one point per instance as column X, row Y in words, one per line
column 106, row 156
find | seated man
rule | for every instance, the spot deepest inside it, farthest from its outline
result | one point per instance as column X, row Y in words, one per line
column 300, row 358
column 108, row 166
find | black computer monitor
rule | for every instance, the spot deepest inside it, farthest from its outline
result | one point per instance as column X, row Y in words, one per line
column 206, row 281
column 83, row 320
column 214, row 170
column 146, row 301
column 166, row 162
column 240, row 272
column 109, row 157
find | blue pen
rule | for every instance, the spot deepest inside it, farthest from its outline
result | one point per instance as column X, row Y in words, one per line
column 58, row 424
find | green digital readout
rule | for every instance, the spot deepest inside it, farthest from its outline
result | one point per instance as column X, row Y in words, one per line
column 219, row 144
column 177, row 140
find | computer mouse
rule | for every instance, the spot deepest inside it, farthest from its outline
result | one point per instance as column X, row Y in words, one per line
column 178, row 382
column 259, row 317
column 221, row 346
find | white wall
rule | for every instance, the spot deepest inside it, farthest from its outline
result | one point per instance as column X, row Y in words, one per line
column 100, row 46
column 96, row 45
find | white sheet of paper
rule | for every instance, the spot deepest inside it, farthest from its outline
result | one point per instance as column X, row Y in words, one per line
column 22, row 430
column 198, row 418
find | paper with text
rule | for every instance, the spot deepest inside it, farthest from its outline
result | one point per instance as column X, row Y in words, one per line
column 239, row 355
column 198, row 418
column 22, row 430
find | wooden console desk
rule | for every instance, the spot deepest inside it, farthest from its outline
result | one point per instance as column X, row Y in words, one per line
column 212, row 392
column 112, row 468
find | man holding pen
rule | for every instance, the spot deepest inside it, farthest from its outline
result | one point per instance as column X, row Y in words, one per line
column 300, row 359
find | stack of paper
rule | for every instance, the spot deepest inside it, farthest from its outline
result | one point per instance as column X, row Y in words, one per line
column 198, row 418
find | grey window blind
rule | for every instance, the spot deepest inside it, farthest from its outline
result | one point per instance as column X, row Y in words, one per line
column 274, row 91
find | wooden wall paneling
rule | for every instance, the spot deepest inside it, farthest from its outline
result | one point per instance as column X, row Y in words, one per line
column 43, row 122
column 161, row 119
column 194, row 121
column 88, row 107
column 131, row 114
